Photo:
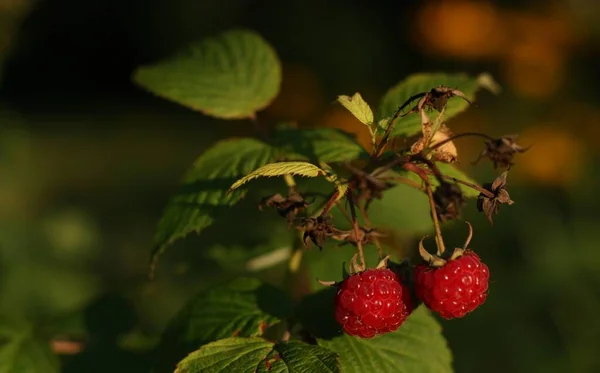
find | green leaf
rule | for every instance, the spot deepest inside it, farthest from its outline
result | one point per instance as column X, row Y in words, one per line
column 280, row 169
column 358, row 107
column 230, row 76
column 21, row 351
column 411, row 124
column 452, row 171
column 203, row 195
column 328, row 145
column 403, row 209
column 231, row 354
column 244, row 307
column 257, row 355
column 296, row 356
column 417, row 346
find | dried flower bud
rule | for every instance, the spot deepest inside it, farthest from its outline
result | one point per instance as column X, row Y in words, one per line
column 490, row 205
column 287, row 207
column 318, row 230
column 448, row 200
column 501, row 151
column 437, row 98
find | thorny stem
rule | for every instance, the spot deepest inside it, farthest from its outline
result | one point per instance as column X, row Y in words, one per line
column 330, row 203
column 452, row 138
column 356, row 229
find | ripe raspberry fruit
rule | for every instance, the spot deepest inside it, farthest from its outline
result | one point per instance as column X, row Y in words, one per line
column 372, row 302
column 456, row 288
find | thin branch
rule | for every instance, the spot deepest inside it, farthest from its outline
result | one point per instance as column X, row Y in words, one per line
column 438, row 231
column 330, row 202
column 473, row 186
column 436, row 222
column 356, row 228
column 452, row 138
column 368, row 224
column 405, row 181
column 386, row 135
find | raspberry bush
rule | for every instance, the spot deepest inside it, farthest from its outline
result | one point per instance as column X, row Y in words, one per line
column 338, row 204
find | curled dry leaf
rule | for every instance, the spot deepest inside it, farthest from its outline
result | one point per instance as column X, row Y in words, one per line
column 448, row 200
column 446, row 153
column 426, row 130
column 501, row 151
column 491, row 205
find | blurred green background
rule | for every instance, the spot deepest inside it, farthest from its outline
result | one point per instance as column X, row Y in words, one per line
column 88, row 160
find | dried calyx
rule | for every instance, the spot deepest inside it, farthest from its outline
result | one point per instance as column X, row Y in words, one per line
column 442, row 256
column 317, row 230
column 287, row 207
column 436, row 98
column 501, row 151
column 355, row 268
column 367, row 186
column 448, row 200
column 490, row 205
column 364, row 236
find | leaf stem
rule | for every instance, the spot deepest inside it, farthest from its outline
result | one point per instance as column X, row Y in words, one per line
column 330, row 202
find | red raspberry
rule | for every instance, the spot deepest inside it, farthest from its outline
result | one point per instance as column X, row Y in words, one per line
column 372, row 302
column 454, row 289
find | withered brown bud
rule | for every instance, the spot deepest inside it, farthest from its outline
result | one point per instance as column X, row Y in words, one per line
column 287, row 207
column 436, row 98
column 491, row 205
column 448, row 200
column 501, row 151
column 368, row 187
column 317, row 230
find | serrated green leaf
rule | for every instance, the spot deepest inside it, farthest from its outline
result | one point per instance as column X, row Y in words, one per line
column 280, row 169
column 203, row 195
column 244, row 307
column 231, row 354
column 256, row 355
column 230, row 76
column 21, row 351
column 296, row 356
column 417, row 346
column 328, row 145
column 453, row 171
column 411, row 124
column 358, row 107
